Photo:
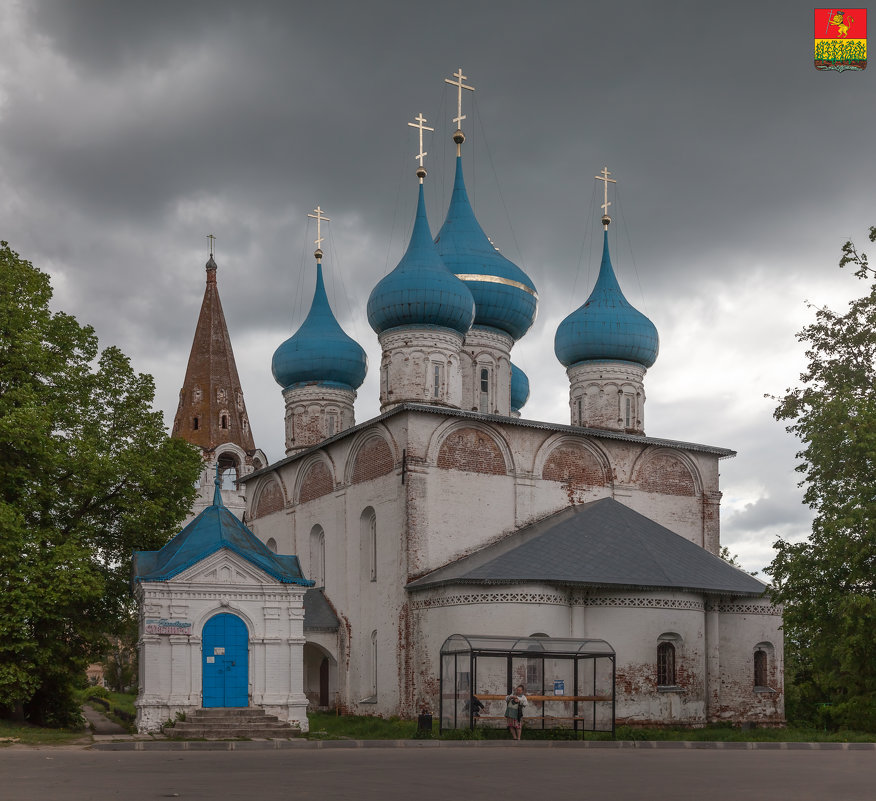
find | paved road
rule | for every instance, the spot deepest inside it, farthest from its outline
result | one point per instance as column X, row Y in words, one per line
column 506, row 774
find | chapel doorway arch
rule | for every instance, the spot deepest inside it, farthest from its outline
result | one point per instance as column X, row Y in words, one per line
column 225, row 662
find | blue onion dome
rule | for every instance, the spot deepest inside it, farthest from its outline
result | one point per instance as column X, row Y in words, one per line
column 606, row 327
column 421, row 291
column 519, row 388
column 319, row 351
column 505, row 297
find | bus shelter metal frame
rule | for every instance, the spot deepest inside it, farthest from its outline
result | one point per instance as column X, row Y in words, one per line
column 526, row 648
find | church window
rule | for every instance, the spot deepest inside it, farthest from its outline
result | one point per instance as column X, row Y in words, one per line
column 665, row 664
column 760, row 668
column 223, row 421
column 331, row 425
column 195, row 423
column 228, row 471
column 579, row 419
column 628, row 412
column 271, row 545
column 317, row 556
column 436, row 380
column 485, row 390
column 373, row 665
column 368, row 552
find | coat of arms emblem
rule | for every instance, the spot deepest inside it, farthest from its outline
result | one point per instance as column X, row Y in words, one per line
column 840, row 39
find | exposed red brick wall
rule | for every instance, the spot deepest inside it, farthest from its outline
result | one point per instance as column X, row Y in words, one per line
column 317, row 482
column 471, row 450
column 271, row 500
column 575, row 465
column 667, row 475
column 373, row 459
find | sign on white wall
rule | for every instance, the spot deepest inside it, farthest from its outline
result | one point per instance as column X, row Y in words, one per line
column 161, row 625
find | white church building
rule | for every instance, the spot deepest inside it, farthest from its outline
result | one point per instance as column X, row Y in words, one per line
column 451, row 513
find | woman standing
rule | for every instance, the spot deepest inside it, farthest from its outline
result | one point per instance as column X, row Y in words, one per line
column 514, row 711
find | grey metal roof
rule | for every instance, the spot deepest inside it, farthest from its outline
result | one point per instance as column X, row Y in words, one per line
column 601, row 543
column 319, row 615
column 597, row 433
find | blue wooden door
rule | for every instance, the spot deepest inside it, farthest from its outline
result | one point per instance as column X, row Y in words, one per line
column 225, row 644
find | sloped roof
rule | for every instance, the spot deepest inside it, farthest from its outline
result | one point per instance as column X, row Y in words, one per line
column 319, row 615
column 602, row 543
column 213, row 529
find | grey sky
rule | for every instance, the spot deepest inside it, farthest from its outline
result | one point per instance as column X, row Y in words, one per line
column 129, row 131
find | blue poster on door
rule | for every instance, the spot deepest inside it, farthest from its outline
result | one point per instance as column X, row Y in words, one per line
column 225, row 661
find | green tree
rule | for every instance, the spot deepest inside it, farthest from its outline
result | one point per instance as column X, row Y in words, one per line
column 828, row 583
column 88, row 474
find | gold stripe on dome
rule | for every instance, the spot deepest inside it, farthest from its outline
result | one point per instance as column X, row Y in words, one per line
column 495, row 279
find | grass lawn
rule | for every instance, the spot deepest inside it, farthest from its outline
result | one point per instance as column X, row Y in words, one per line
column 25, row 734
column 326, row 726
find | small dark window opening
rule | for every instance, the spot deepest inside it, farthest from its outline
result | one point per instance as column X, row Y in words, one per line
column 224, row 422
column 666, row 664
column 195, row 424
column 485, row 380
column 760, row 669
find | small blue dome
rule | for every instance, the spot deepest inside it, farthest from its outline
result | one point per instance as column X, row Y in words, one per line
column 519, row 388
column 421, row 290
column 606, row 327
column 505, row 297
column 320, row 351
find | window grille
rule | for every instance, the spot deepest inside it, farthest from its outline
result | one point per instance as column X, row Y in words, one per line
column 665, row 664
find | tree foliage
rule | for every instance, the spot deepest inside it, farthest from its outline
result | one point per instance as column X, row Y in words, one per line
column 89, row 474
column 827, row 582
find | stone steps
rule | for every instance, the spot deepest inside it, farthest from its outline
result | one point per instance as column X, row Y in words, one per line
column 231, row 723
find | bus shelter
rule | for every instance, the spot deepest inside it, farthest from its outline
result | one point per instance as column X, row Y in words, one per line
column 569, row 683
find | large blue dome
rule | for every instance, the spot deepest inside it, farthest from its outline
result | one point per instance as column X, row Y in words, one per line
column 505, row 297
column 421, row 290
column 320, row 351
column 519, row 388
column 606, row 327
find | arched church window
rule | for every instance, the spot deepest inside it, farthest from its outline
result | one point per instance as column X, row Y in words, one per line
column 760, row 668
column 437, row 377
column 666, row 665
column 579, row 418
column 317, row 555
column 195, row 424
column 223, row 421
column 484, row 405
column 331, row 424
column 368, row 551
column 628, row 412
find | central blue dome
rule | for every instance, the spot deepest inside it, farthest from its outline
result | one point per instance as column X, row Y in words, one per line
column 607, row 327
column 320, row 351
column 505, row 297
column 421, row 291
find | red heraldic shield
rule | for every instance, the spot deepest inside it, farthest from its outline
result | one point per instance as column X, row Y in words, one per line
column 840, row 39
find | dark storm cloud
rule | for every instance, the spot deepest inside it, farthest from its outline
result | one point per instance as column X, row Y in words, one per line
column 128, row 131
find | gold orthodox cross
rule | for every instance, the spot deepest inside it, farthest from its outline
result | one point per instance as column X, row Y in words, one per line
column 458, row 83
column 212, row 240
column 419, row 124
column 603, row 176
column 319, row 217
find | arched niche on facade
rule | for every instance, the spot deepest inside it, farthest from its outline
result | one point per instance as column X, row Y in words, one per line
column 268, row 497
column 373, row 454
column 572, row 460
column 316, row 478
column 470, row 446
column 667, row 472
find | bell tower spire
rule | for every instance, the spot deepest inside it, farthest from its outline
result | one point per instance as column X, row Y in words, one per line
column 212, row 413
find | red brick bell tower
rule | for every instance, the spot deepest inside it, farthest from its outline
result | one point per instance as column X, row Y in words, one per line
column 212, row 412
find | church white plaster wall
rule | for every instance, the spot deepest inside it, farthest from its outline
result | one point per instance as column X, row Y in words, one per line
column 608, row 395
column 489, row 349
column 170, row 680
column 315, row 412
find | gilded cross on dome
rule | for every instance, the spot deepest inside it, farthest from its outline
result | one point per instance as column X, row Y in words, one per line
column 319, row 216
column 603, row 176
column 459, row 137
column 419, row 124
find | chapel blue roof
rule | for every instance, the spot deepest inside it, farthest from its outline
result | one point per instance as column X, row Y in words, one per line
column 505, row 297
column 607, row 327
column 519, row 388
column 319, row 351
column 213, row 529
column 421, row 291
